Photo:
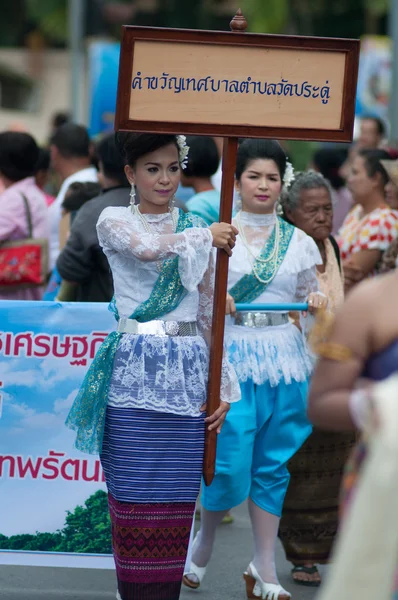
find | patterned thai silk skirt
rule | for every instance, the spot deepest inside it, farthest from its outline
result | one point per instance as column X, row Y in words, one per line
column 152, row 463
column 311, row 510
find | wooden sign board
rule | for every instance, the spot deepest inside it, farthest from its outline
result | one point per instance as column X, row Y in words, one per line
column 237, row 84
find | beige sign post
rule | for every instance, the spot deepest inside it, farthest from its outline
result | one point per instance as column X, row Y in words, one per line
column 235, row 85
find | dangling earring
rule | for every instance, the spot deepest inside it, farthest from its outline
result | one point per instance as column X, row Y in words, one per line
column 132, row 194
column 172, row 202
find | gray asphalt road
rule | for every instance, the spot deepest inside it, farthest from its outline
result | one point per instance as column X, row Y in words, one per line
column 223, row 580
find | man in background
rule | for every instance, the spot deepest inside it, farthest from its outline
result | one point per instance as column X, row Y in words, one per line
column 372, row 132
column 82, row 260
column 71, row 161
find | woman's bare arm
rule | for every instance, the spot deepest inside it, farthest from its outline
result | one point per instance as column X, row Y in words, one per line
column 334, row 380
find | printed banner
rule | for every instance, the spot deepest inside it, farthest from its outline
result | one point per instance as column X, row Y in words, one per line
column 374, row 78
column 103, row 61
column 53, row 503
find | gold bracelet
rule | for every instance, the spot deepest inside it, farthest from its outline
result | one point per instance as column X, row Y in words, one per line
column 334, row 351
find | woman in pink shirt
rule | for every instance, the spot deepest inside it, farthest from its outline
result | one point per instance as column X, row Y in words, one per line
column 19, row 154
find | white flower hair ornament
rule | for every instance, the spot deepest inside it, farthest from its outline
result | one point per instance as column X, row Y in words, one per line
column 183, row 150
column 289, row 175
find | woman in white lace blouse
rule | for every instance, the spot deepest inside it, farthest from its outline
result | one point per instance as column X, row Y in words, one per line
column 148, row 381
column 273, row 262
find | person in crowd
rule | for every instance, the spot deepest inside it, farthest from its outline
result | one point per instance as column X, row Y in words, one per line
column 42, row 174
column 391, row 187
column 76, row 196
column 328, row 162
column 362, row 347
column 19, row 154
column 345, row 169
column 82, row 260
column 310, row 512
column 364, row 562
column 390, row 256
column 372, row 132
column 273, row 262
column 371, row 225
column 202, row 164
column 151, row 375
column 57, row 120
column 70, row 159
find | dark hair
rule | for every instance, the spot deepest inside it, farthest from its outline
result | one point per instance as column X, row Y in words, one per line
column 328, row 162
column 59, row 119
column 19, row 154
column 373, row 165
column 72, row 141
column 44, row 160
column 112, row 161
column 203, row 158
column 380, row 125
column 252, row 149
column 134, row 145
column 78, row 193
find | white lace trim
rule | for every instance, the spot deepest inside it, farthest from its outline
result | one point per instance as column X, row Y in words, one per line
column 257, row 220
column 268, row 354
column 166, row 375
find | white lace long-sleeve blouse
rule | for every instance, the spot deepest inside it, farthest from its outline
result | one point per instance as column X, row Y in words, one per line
column 276, row 352
column 166, row 374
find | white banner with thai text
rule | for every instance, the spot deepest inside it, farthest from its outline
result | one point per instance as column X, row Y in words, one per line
column 53, row 504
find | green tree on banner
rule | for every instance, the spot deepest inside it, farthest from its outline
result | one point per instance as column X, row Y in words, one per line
column 86, row 530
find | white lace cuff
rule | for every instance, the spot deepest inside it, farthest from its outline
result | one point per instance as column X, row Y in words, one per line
column 194, row 256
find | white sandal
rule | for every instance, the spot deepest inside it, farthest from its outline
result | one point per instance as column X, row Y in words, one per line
column 198, row 572
column 118, row 596
column 257, row 588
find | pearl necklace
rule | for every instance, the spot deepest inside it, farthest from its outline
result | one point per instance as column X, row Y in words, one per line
column 136, row 211
column 255, row 260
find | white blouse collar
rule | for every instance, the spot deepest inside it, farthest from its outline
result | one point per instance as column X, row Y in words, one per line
column 257, row 220
column 158, row 218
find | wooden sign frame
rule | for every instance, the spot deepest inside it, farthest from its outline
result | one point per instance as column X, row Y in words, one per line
column 123, row 122
column 132, row 35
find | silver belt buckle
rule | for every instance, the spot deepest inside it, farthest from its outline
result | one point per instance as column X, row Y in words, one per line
column 172, row 328
column 260, row 319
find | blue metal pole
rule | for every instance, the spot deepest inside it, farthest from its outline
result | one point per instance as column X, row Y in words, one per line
column 272, row 307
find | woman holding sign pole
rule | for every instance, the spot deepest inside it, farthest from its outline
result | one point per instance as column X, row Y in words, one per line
column 142, row 402
column 273, row 262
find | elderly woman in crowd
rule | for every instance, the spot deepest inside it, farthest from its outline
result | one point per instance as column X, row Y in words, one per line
column 310, row 514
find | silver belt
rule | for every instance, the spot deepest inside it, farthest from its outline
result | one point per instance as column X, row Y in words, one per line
column 261, row 319
column 159, row 328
